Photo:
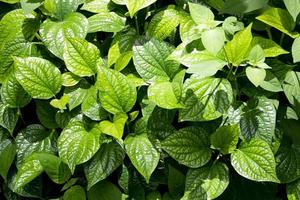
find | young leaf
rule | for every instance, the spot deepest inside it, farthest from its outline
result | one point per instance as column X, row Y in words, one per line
column 106, row 22
column 293, row 7
column 60, row 103
column 109, row 157
column 201, row 14
column 255, row 160
column 81, row 57
column 115, row 128
column 61, row 8
column 225, row 138
column 134, row 5
column 189, row 146
column 296, row 50
column 142, row 154
column 218, row 36
column 271, row 49
column 256, row 75
column 39, row 77
column 115, row 92
column 96, row 6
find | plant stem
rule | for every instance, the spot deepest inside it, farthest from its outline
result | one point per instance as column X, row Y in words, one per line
column 269, row 33
column 137, row 25
column 281, row 39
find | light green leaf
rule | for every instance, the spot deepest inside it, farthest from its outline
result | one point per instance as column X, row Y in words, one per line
column 13, row 94
column 256, row 55
column 201, row 14
column 60, row 103
column 7, row 153
column 142, row 154
column 291, row 86
column 81, row 57
column 237, row 49
column 207, row 182
column 70, row 79
column 293, row 7
column 96, row 6
column 76, row 145
column 190, row 31
column 150, row 60
column 61, row 8
column 8, row 117
column 55, row 34
column 254, row 160
column 106, row 22
column 115, row 128
column 256, row 75
column 115, row 92
column 232, row 25
column 76, row 94
column 293, row 190
column 271, row 49
column 163, row 95
column 104, row 190
column 39, row 77
column 135, row 5
column 218, row 36
column 225, row 138
column 235, row 7
column 296, row 50
column 271, row 83
column 189, row 146
column 205, row 98
column 163, row 23
column 279, row 19
column 109, row 157
column 75, row 193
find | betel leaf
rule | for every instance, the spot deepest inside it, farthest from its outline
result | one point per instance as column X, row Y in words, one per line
column 115, row 92
column 271, row 49
column 7, row 153
column 8, row 117
column 106, row 22
column 243, row 6
column 75, row 193
column 39, row 77
column 291, row 86
column 70, row 79
column 256, row 75
column 201, row 14
column 96, row 6
column 105, row 190
column 163, row 23
column 150, row 60
column 293, row 7
column 109, row 157
column 134, row 6
column 142, row 154
column 218, row 36
column 55, row 34
column 115, row 128
column 61, row 8
column 203, row 97
column 176, row 181
column 60, row 103
column 76, row 94
column 296, row 50
column 293, row 190
column 81, row 57
column 225, row 138
column 77, row 145
column 207, row 182
column 279, row 19
column 189, row 146
column 237, row 49
column 254, row 160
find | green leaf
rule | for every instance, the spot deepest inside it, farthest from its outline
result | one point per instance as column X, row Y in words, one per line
column 288, row 161
column 296, row 50
column 235, row 7
column 75, row 193
column 254, row 160
column 55, row 34
column 115, row 128
column 70, row 79
column 293, row 190
column 205, row 99
column 7, row 153
column 237, row 49
column 291, row 86
column 76, row 145
column 76, row 94
column 109, row 157
column 60, row 103
column 279, row 19
column 207, row 182
column 134, row 6
column 61, row 8
column 249, row 124
column 256, row 75
column 189, row 146
column 271, row 83
column 46, row 114
column 256, row 55
column 39, row 77
column 271, row 49
column 106, row 22
column 8, row 117
column 163, row 23
column 115, row 92
column 142, row 154
column 104, row 190
column 176, row 181
column 293, row 7
column 232, row 25
column 81, row 57
column 201, row 14
column 150, row 60
column 163, row 95
column 225, row 138
column 13, row 94
column 96, row 6
column 218, row 36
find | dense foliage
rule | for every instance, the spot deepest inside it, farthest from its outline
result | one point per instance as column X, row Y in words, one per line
column 150, row 99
